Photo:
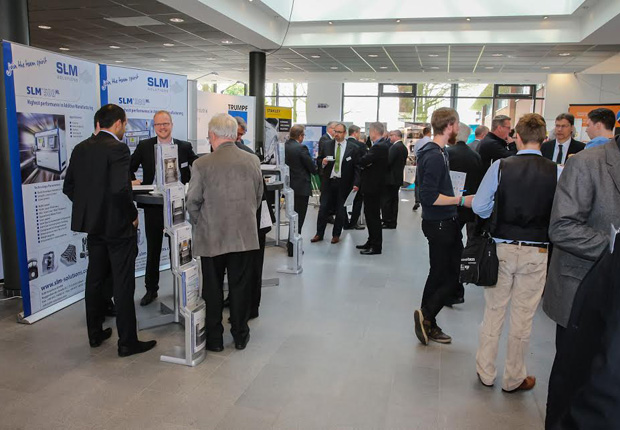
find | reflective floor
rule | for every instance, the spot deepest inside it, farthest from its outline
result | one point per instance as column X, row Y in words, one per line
column 333, row 348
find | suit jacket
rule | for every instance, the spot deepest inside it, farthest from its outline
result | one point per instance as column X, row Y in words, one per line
column 350, row 171
column 97, row 182
column 144, row 156
column 474, row 145
column 587, row 202
column 224, row 194
column 374, row 167
column 300, row 164
column 584, row 387
column 397, row 159
column 493, row 148
column 464, row 159
column 326, row 138
column 361, row 146
column 548, row 147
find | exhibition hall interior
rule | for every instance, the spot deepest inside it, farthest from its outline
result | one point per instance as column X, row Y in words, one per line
column 309, row 214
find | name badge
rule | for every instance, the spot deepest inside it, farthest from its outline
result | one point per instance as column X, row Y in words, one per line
column 184, row 165
column 349, row 158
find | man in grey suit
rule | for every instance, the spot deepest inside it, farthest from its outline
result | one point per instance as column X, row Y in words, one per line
column 586, row 204
column 224, row 194
column 480, row 133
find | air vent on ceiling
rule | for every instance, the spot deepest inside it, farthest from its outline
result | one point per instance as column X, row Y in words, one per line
column 135, row 21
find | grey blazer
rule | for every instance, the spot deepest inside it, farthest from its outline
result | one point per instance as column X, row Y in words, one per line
column 224, row 194
column 587, row 202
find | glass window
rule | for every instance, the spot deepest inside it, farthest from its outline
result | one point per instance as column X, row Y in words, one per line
column 473, row 110
column 299, row 107
column 427, row 105
column 359, row 110
column 434, row 90
column 514, row 89
column 236, row 89
column 475, row 90
column 395, row 111
column 361, row 89
column 397, row 89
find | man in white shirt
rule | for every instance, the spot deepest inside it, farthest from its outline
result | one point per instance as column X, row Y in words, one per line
column 563, row 146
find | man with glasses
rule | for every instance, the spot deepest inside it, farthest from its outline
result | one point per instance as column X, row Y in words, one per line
column 144, row 156
column 563, row 146
column 494, row 146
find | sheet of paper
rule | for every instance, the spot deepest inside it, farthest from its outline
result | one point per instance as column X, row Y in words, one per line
column 350, row 198
column 409, row 174
column 265, row 218
column 458, row 182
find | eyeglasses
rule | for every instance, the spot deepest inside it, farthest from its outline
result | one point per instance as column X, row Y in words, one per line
column 162, row 124
column 562, row 126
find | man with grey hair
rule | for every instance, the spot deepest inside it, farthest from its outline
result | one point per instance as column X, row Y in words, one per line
column 327, row 137
column 225, row 231
column 480, row 132
column 494, row 145
column 242, row 129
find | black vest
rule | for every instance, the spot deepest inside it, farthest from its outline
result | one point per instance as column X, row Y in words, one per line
column 524, row 198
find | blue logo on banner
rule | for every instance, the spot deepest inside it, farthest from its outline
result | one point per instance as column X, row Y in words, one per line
column 66, row 69
column 157, row 82
column 241, row 114
column 125, row 100
column 32, row 91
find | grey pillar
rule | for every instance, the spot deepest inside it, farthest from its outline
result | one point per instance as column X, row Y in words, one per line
column 13, row 27
column 257, row 89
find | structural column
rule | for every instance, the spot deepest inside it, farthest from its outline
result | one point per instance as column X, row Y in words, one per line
column 257, row 89
column 14, row 28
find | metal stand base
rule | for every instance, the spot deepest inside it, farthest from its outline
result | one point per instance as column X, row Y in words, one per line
column 178, row 357
column 167, row 316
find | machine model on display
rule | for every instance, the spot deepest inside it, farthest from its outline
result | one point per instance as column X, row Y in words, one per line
column 48, row 263
column 50, row 150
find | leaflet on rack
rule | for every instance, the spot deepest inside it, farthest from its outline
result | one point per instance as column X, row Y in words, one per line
column 167, row 165
column 189, row 282
column 199, row 334
column 181, row 246
column 174, row 205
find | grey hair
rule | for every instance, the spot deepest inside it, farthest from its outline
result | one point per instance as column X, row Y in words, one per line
column 336, row 124
column 241, row 123
column 378, row 127
column 499, row 120
column 464, row 132
column 332, row 124
column 224, row 126
column 398, row 133
column 480, row 130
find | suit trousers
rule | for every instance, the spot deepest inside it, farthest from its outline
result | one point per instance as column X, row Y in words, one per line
column 239, row 267
column 301, row 207
column 389, row 205
column 154, row 230
column 357, row 208
column 115, row 256
column 257, row 274
column 444, row 250
column 521, row 280
column 332, row 201
column 372, row 212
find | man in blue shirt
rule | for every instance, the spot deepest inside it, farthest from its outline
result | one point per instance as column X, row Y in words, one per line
column 440, row 225
column 600, row 129
column 517, row 194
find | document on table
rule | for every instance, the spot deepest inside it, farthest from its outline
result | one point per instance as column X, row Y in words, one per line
column 265, row 218
column 350, row 198
column 458, row 182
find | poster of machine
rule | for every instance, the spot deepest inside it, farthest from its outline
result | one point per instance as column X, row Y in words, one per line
column 581, row 118
column 210, row 104
column 51, row 100
column 312, row 137
column 278, row 122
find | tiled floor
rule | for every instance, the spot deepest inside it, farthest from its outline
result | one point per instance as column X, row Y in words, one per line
column 333, row 349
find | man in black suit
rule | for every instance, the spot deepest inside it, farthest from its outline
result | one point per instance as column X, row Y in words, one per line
column 356, row 139
column 494, row 146
column 97, row 182
column 301, row 167
column 397, row 159
column 144, row 156
column 563, row 146
column 326, row 138
column 340, row 175
column 374, row 170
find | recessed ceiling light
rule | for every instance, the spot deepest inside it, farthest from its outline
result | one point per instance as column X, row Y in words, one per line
column 45, row 27
column 209, row 58
column 286, row 68
column 433, row 55
column 334, row 67
column 114, row 47
column 118, row 61
column 373, row 55
column 62, row 48
column 462, row 80
column 564, row 54
column 168, row 44
column 489, row 67
column 383, row 67
column 315, row 56
column 398, row 21
column 468, row 19
column 330, row 23
column 434, row 67
column 176, row 20
column 497, row 55
column 545, row 67
column 545, row 17
column 162, row 59
column 227, row 42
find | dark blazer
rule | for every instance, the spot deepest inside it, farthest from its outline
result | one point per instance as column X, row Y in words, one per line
column 374, row 167
column 360, row 145
column 145, row 155
column 322, row 142
column 464, row 159
column 350, row 173
column 97, row 182
column 300, row 164
column 493, row 148
column 397, row 159
column 548, row 147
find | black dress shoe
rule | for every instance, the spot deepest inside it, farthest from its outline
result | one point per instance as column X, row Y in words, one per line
column 215, row 348
column 416, row 206
column 242, row 343
column 98, row 339
column 370, row 251
column 137, row 348
column 148, row 297
column 364, row 246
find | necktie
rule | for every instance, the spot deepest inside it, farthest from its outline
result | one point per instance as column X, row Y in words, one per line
column 337, row 165
column 560, row 155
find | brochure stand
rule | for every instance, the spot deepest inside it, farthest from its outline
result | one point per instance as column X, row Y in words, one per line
column 186, row 270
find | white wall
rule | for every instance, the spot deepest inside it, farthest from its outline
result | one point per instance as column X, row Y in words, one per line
column 565, row 89
column 329, row 93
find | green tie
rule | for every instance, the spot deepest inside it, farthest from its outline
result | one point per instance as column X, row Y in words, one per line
column 337, row 166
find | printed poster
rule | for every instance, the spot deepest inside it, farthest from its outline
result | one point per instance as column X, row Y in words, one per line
column 278, row 123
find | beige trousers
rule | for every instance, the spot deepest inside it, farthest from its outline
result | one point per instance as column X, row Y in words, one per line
column 521, row 280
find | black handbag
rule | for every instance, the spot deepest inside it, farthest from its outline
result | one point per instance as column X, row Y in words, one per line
column 479, row 263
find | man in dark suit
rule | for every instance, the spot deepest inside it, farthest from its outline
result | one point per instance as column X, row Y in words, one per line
column 563, row 146
column 144, row 156
column 374, row 170
column 301, row 167
column 326, row 138
column 97, row 182
column 356, row 139
column 397, row 159
column 494, row 146
column 340, row 175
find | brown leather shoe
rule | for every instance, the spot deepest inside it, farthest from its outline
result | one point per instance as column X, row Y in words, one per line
column 335, row 239
column 528, row 383
column 316, row 238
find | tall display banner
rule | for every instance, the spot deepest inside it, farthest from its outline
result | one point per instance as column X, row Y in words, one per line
column 51, row 100
column 278, row 123
column 581, row 118
column 141, row 93
column 211, row 104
